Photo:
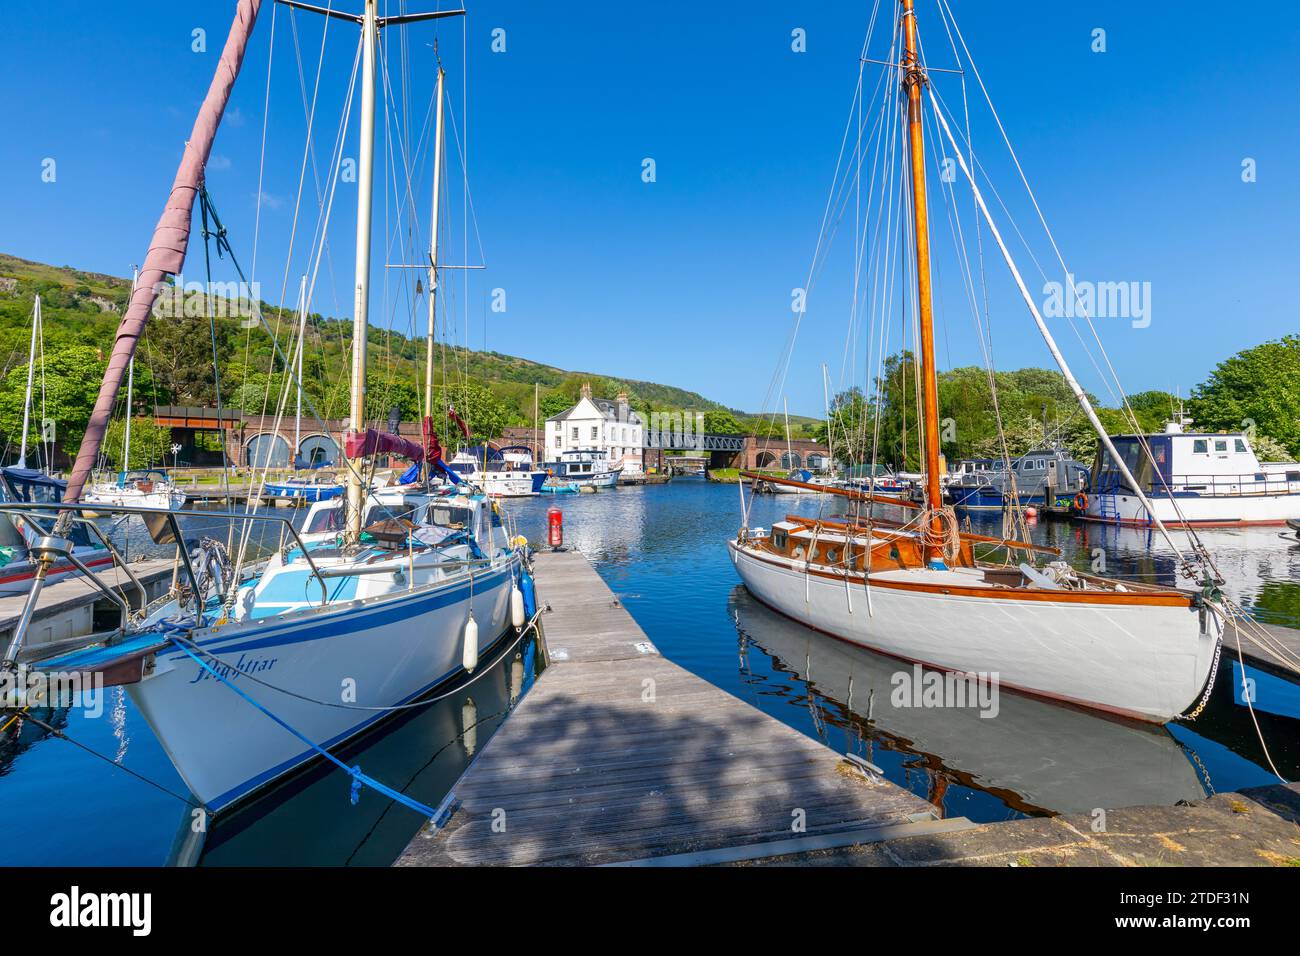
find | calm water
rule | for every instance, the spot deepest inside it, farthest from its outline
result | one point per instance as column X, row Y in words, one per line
column 661, row 549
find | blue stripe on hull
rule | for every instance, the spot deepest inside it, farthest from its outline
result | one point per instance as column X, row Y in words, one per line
column 345, row 622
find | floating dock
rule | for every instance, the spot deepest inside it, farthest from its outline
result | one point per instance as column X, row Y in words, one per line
column 71, row 607
column 618, row 756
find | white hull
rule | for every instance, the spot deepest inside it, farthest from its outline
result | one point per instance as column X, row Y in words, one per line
column 606, row 479
column 1059, row 759
column 390, row 649
column 506, row 484
column 1145, row 661
column 167, row 498
column 1222, row 510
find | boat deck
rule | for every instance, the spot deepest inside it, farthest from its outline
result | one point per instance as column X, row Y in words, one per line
column 618, row 756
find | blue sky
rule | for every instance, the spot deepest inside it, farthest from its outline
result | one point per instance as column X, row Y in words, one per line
column 1135, row 154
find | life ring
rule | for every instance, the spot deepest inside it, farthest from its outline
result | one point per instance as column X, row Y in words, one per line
column 1081, row 501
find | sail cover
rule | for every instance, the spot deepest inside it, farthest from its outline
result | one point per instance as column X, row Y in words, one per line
column 374, row 442
column 170, row 239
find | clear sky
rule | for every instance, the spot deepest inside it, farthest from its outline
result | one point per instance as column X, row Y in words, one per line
column 1136, row 154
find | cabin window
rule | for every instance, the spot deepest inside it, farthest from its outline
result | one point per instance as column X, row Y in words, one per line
column 1220, row 444
column 832, row 555
column 1239, row 445
column 1200, row 447
column 1293, row 476
column 327, row 519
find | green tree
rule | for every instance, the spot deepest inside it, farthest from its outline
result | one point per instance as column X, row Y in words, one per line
column 721, row 422
column 385, row 391
column 847, row 431
column 180, row 352
column 1259, row 386
column 72, row 377
column 484, row 413
column 553, row 403
column 150, row 443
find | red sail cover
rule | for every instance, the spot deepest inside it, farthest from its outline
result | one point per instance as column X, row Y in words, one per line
column 374, row 442
column 464, row 428
column 432, row 447
column 170, row 240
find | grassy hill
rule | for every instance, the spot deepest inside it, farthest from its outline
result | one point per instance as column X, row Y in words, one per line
column 174, row 365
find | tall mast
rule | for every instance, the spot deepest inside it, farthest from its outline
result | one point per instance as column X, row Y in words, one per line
column 31, row 370
column 830, row 430
column 433, row 248
column 126, row 432
column 914, row 80
column 433, row 257
column 130, row 387
column 361, row 310
column 789, row 449
column 302, row 331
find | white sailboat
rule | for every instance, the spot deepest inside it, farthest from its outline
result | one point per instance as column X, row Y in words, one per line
column 19, row 483
column 135, row 488
column 915, row 588
column 250, row 670
column 141, row 489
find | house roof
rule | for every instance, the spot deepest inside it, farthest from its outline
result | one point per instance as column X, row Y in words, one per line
column 608, row 410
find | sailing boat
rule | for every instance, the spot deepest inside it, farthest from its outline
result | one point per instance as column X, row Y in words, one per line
column 249, row 671
column 143, row 489
column 18, row 483
column 914, row 588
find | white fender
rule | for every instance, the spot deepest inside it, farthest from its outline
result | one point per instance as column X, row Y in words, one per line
column 470, row 660
column 516, row 606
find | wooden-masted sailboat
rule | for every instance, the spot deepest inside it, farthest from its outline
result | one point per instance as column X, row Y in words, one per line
column 248, row 670
column 913, row 588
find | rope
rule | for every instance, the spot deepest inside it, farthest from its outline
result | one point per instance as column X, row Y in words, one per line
column 393, row 708
column 56, row 732
column 359, row 778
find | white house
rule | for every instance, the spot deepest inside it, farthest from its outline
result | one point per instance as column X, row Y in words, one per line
column 597, row 424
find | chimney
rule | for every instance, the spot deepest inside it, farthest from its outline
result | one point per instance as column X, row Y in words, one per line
column 586, row 390
column 622, row 406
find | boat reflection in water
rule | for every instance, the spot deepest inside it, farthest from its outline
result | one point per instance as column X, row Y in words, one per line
column 310, row 820
column 1035, row 756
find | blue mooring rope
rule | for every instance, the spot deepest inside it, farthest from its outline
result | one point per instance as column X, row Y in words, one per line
column 358, row 778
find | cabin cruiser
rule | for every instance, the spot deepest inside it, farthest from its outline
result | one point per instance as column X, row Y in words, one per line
column 29, row 486
column 1192, row 478
column 496, row 474
column 806, row 477
column 586, row 467
column 1046, row 476
column 321, row 487
column 137, row 489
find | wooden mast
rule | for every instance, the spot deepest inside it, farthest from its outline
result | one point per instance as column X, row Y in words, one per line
column 914, row 80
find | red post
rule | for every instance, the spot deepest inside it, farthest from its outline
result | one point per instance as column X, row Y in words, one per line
column 555, row 527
